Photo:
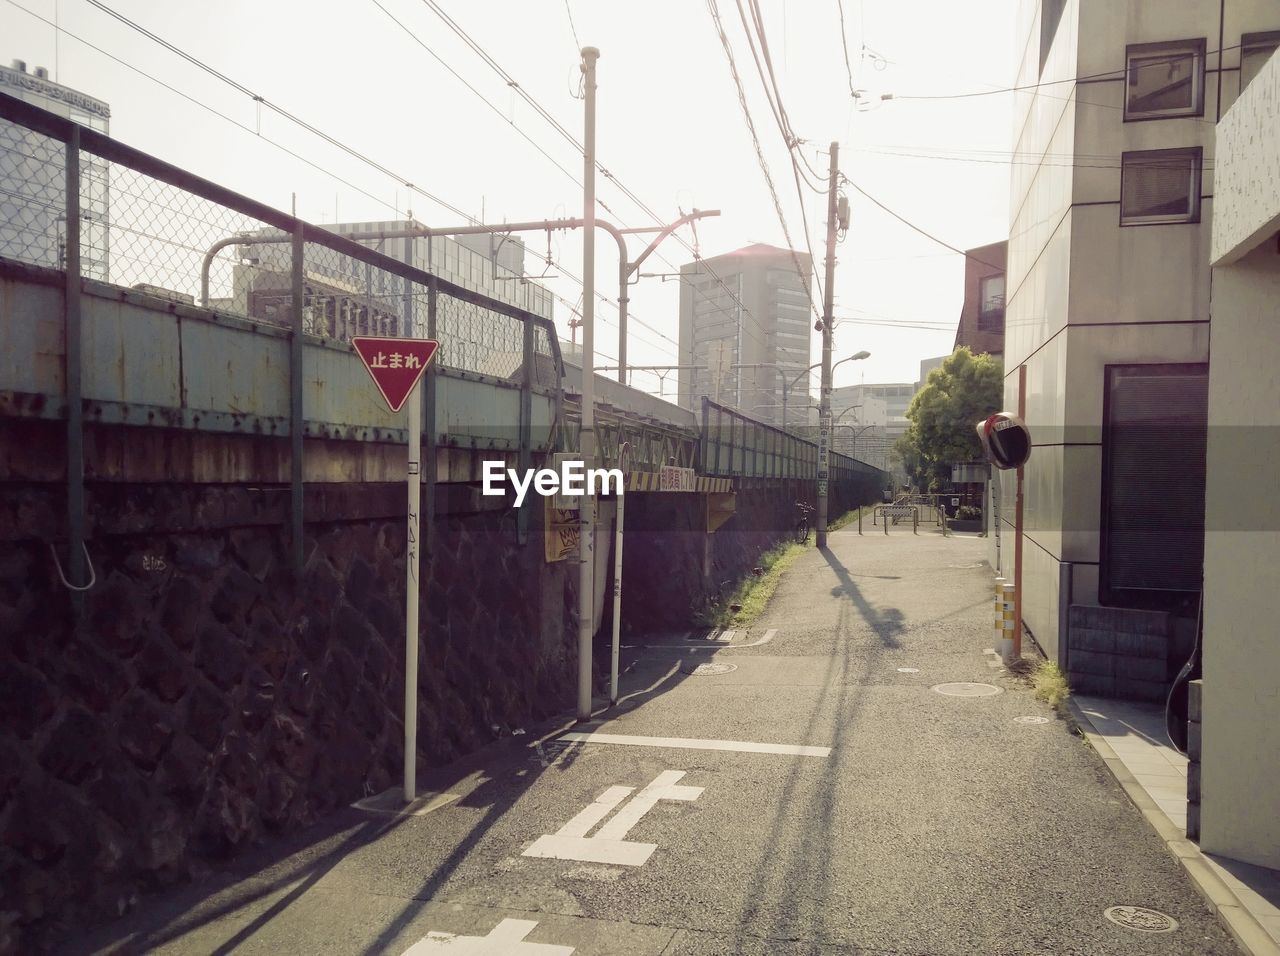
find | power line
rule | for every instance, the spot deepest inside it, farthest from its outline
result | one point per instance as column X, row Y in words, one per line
column 908, row 222
column 263, row 101
column 751, row 126
column 190, row 99
column 543, row 112
column 784, row 126
column 844, row 46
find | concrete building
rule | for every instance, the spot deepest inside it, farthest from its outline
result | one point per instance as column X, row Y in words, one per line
column 1240, row 770
column 1107, row 320
column 347, row 299
column 981, row 326
column 33, row 178
column 747, row 307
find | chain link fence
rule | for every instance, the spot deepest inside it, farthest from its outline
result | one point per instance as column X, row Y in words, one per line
column 148, row 227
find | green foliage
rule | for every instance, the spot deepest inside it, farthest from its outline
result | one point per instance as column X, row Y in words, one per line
column 965, row 389
column 1050, row 685
column 968, row 512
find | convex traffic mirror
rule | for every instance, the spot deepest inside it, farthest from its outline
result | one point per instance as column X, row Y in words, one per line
column 1006, row 440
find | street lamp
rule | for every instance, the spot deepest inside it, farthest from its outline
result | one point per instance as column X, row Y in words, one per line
column 856, row 356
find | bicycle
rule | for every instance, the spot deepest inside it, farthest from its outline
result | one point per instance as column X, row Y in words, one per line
column 802, row 526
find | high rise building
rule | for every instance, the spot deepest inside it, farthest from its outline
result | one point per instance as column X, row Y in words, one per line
column 33, row 178
column 750, row 307
column 1107, row 313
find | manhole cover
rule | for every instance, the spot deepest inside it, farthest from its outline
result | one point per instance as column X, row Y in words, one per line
column 1031, row 720
column 966, row 689
column 1141, row 919
column 707, row 670
column 908, row 670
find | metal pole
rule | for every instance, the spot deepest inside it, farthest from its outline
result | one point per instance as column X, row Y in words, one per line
column 828, row 304
column 73, row 375
column 295, row 402
column 623, row 453
column 1017, row 539
column 586, row 439
column 413, row 554
column 624, row 269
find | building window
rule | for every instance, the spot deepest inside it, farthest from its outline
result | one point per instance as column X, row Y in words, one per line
column 1050, row 16
column 1155, row 420
column 1255, row 50
column 1160, row 186
column 991, row 304
column 1164, row 80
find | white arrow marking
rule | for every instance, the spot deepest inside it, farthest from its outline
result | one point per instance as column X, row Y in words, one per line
column 609, row 845
column 505, row 939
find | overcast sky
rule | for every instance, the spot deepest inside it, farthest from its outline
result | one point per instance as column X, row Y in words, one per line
column 670, row 128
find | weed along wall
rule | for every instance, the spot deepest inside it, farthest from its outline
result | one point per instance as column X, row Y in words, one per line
column 210, row 699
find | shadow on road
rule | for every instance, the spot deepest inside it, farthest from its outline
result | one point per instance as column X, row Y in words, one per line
column 887, row 623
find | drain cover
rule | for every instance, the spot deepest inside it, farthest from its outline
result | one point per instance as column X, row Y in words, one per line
column 1031, row 720
column 966, row 689
column 1141, row 919
column 707, row 670
column 908, row 670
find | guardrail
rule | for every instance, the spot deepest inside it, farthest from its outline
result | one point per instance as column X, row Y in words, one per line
column 735, row 444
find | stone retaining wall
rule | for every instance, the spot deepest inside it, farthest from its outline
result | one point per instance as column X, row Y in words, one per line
column 209, row 700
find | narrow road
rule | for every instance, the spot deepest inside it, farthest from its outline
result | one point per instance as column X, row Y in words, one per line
column 808, row 794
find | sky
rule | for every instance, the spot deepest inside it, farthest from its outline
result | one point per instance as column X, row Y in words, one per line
column 392, row 80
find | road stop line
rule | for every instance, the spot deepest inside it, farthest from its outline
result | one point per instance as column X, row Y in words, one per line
column 694, row 743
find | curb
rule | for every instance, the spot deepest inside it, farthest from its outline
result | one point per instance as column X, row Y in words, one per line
column 1248, row 933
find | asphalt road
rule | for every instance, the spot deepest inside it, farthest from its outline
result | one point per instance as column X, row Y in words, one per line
column 935, row 825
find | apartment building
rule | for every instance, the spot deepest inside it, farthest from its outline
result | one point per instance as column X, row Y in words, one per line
column 1107, row 316
column 981, row 325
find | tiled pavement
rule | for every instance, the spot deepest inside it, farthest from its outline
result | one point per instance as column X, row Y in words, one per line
column 1135, row 733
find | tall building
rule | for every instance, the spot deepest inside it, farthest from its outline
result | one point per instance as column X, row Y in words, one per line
column 33, row 178
column 981, row 326
column 1107, row 317
column 749, row 307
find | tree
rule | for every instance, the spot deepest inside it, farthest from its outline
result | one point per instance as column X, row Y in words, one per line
column 965, row 389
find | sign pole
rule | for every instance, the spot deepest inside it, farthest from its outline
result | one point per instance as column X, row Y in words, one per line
column 412, row 553
column 623, row 456
column 397, row 365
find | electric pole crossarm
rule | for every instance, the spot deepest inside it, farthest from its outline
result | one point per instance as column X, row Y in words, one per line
column 668, row 230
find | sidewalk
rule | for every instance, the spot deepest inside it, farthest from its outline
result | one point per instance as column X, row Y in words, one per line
column 1130, row 737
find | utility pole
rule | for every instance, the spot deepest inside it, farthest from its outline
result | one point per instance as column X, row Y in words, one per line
column 586, row 434
column 828, row 306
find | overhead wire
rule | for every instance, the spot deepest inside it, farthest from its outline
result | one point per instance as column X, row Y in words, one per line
column 774, row 96
column 195, row 61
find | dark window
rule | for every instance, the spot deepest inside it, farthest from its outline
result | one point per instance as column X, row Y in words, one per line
column 991, row 304
column 1153, row 468
column 1164, row 80
column 1050, row 15
column 1160, row 186
column 1255, row 50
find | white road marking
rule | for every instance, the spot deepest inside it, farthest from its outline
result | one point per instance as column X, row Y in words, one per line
column 609, row 845
column 595, row 812
column 694, row 743
column 715, row 645
column 505, row 939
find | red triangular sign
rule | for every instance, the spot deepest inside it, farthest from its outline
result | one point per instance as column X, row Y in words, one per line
column 395, row 364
